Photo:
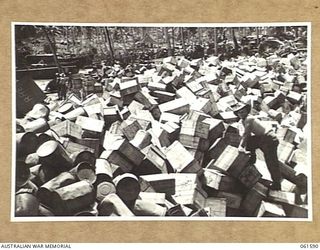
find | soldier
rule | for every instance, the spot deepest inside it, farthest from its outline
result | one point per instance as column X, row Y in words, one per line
column 63, row 87
column 53, row 85
column 255, row 135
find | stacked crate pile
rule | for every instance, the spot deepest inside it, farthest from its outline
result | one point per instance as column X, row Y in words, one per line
column 164, row 143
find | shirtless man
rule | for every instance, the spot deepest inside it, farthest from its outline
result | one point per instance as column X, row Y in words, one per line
column 255, row 135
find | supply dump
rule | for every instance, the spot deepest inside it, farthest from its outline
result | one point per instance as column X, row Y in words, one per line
column 218, row 134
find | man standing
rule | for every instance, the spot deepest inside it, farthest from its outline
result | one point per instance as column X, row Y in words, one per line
column 255, row 135
column 63, row 87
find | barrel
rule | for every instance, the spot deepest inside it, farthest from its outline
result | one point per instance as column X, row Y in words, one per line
column 90, row 211
column 39, row 110
column 32, row 159
column 22, row 173
column 45, row 211
column 53, row 154
column 128, row 187
column 113, row 205
column 85, row 171
column 146, row 208
column 45, row 191
column 82, row 156
column 19, row 128
column 104, row 189
column 26, row 143
column 46, row 173
column 43, row 137
column 37, row 126
column 73, row 198
column 26, row 204
column 104, row 169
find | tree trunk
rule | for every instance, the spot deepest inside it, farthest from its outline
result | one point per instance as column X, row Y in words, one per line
column 53, row 50
column 107, row 36
column 172, row 40
column 168, row 41
column 182, row 40
column 215, row 42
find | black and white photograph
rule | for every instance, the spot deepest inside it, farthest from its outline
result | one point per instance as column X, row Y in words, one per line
column 161, row 122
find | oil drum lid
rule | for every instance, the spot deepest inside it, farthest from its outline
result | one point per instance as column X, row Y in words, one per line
column 127, row 186
column 65, row 108
column 85, row 171
column 105, row 188
column 85, row 156
column 47, row 148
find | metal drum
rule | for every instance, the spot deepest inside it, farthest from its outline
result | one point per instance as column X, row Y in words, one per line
column 85, row 171
column 53, row 154
column 26, row 143
column 128, row 187
column 37, row 126
column 22, row 173
column 45, row 191
column 113, row 205
column 73, row 198
column 26, row 204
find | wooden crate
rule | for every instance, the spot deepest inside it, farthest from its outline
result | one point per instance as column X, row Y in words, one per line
column 231, row 161
column 68, row 129
column 253, row 199
column 180, row 159
column 217, row 207
column 268, row 209
column 250, row 176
